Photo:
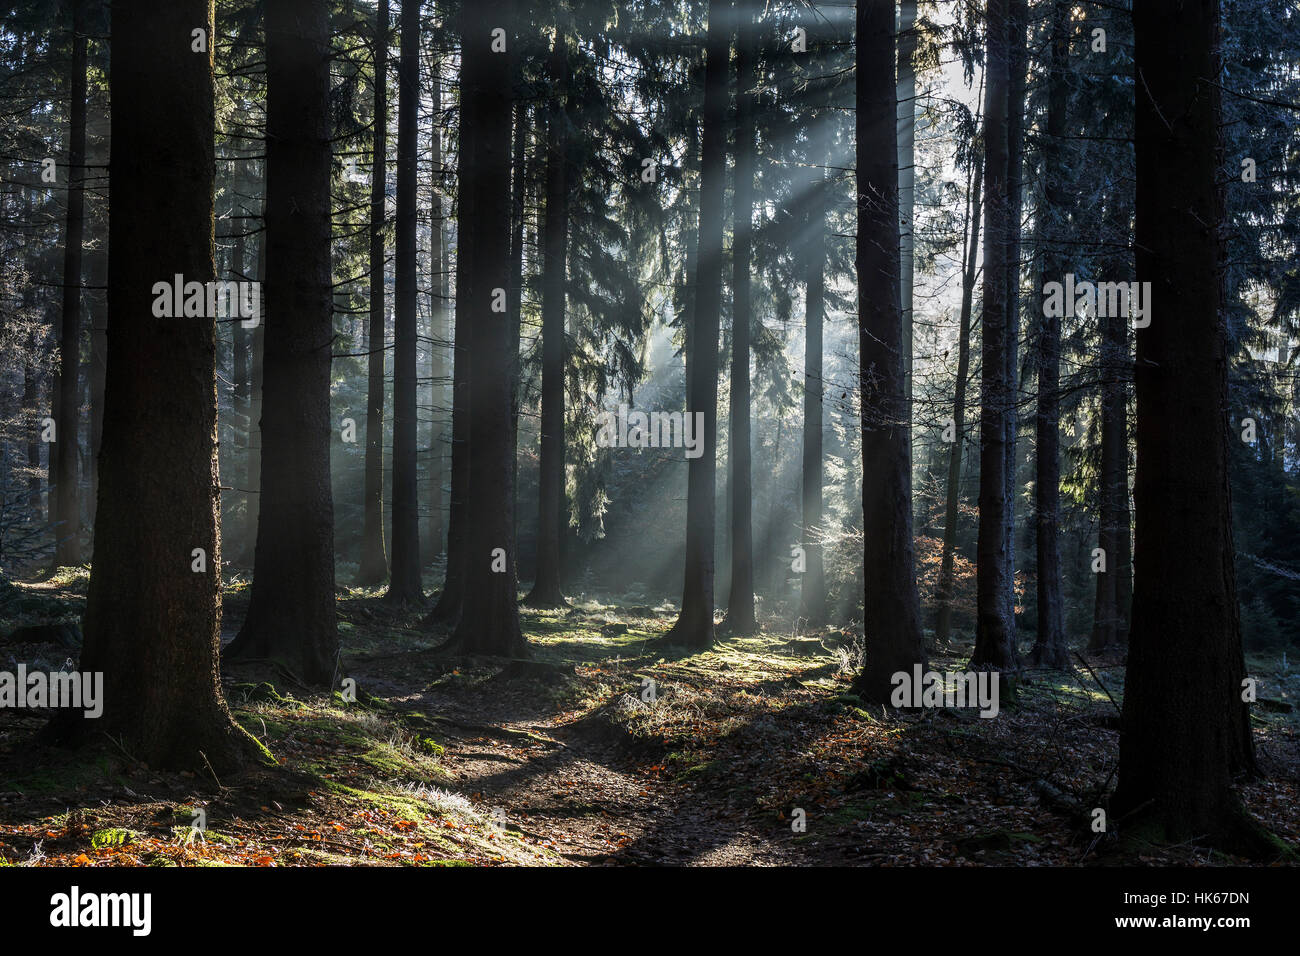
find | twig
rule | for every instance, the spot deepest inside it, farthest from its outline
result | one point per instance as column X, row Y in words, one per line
column 1118, row 709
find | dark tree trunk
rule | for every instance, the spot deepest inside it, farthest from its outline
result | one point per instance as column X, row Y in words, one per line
column 740, row 604
column 440, row 334
column 891, row 609
column 67, row 408
column 489, row 621
column 404, row 586
column 1185, row 729
column 238, row 524
column 152, row 623
column 291, row 614
column 253, row 449
column 906, row 136
column 447, row 608
column 1017, row 20
column 995, row 637
column 547, row 592
column 813, row 582
column 374, row 558
column 98, row 369
column 694, row 625
column 515, row 293
column 944, row 596
column 1049, row 643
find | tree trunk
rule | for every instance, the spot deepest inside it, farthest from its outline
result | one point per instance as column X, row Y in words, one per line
column 906, row 134
column 374, row 559
column 404, row 585
column 694, row 625
column 291, row 614
column 1185, row 729
column 944, row 595
column 891, row 608
column 547, row 592
column 66, row 390
column 239, row 373
column 439, row 333
column 1049, row 644
column 253, row 451
column 813, row 581
column 740, row 603
column 152, row 623
column 489, row 622
column 995, row 644
column 1017, row 22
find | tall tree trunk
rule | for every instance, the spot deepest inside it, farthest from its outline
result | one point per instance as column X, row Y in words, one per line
column 515, row 292
column 1017, row 23
column 694, row 625
column 891, row 609
column 98, row 358
column 944, row 593
column 547, row 592
column 813, row 582
column 447, row 608
column 253, row 450
column 1114, row 583
column 489, row 622
column 1185, row 729
column 291, row 614
column 152, row 621
column 1049, row 643
column 404, row 586
column 995, row 636
column 67, row 411
column 235, row 537
column 439, row 333
column 906, row 133
column 740, row 603
column 374, row 558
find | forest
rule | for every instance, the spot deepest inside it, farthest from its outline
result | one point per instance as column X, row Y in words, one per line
column 746, row 433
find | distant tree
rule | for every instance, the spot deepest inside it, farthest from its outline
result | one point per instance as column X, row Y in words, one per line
column 740, row 604
column 291, row 612
column 67, row 390
column 404, row 585
column 891, row 610
column 547, row 592
column 995, row 633
column 374, row 559
column 489, row 616
column 694, row 625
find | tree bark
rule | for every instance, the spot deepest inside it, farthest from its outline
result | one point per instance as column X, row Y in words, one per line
column 694, row 626
column 152, row 623
column 66, row 390
column 1049, row 643
column 489, row 622
column 546, row 592
column 906, row 134
column 291, row 614
column 740, row 618
column 995, row 646
column 1185, row 729
column 891, row 607
column 944, row 596
column 813, row 582
column 374, row 558
column 404, row 585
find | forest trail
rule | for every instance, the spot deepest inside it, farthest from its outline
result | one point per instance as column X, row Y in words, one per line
column 608, row 747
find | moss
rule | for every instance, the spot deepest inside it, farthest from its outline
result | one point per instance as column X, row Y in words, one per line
column 115, row 836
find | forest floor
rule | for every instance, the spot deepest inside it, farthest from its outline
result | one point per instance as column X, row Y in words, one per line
column 608, row 748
